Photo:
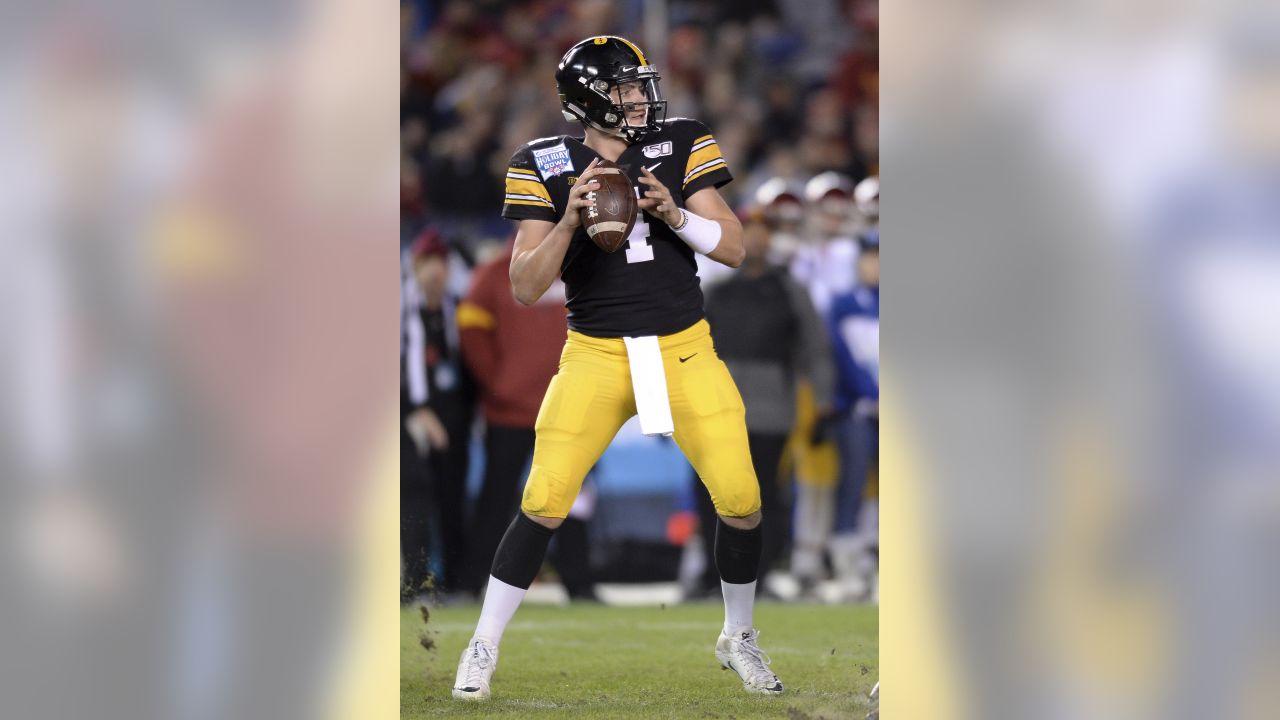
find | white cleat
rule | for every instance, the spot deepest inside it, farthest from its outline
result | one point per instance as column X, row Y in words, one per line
column 475, row 669
column 743, row 655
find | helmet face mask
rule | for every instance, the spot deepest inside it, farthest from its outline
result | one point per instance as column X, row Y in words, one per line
column 603, row 81
column 632, row 96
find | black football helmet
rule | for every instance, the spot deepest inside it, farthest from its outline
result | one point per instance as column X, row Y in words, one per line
column 587, row 76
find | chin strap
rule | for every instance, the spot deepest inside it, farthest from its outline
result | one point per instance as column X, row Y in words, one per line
column 615, row 132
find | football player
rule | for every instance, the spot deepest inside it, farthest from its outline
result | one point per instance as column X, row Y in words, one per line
column 647, row 291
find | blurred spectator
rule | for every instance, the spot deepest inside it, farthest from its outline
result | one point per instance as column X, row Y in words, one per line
column 855, row 331
column 513, row 351
column 412, row 207
column 442, row 399
column 783, row 208
column 417, row 496
column 767, row 332
column 782, row 111
column 866, row 197
column 824, row 264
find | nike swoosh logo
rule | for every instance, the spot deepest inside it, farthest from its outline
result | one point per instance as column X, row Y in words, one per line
column 686, row 358
column 655, row 167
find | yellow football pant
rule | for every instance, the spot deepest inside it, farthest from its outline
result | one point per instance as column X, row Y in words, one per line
column 591, row 397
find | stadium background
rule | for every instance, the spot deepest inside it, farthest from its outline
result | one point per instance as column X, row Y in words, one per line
column 789, row 88
column 246, row 144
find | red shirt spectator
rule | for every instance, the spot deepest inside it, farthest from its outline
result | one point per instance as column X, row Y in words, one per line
column 511, row 350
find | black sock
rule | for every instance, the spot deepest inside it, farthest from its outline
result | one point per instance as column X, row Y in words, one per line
column 520, row 554
column 570, row 557
column 737, row 553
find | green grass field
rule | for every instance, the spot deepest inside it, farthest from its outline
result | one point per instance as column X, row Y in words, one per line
column 595, row 661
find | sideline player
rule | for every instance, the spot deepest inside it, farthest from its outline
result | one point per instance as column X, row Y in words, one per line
column 635, row 316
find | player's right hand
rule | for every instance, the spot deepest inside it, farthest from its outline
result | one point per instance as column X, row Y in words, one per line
column 577, row 195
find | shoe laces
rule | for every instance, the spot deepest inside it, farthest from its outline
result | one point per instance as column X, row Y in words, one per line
column 758, row 660
column 479, row 656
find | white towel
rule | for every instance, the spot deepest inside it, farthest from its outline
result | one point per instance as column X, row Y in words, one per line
column 649, row 380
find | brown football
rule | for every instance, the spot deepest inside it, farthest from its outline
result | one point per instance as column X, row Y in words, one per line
column 609, row 223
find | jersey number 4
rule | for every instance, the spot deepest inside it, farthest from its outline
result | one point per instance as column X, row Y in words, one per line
column 638, row 248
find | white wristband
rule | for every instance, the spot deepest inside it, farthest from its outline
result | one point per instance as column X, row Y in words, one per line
column 699, row 233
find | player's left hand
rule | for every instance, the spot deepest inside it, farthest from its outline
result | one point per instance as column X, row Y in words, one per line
column 657, row 199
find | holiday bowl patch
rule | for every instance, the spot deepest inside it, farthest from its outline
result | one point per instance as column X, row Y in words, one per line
column 553, row 160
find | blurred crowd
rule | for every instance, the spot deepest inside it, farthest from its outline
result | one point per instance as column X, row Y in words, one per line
column 790, row 90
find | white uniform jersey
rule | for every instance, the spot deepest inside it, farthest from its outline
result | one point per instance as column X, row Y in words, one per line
column 826, row 269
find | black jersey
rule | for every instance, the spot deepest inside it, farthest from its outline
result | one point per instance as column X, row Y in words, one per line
column 650, row 286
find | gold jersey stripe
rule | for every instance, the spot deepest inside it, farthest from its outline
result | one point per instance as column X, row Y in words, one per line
column 529, row 198
column 527, row 187
column 705, row 155
column 709, row 163
column 701, row 139
column 704, row 171
column 472, row 316
column 537, row 203
column 522, row 171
